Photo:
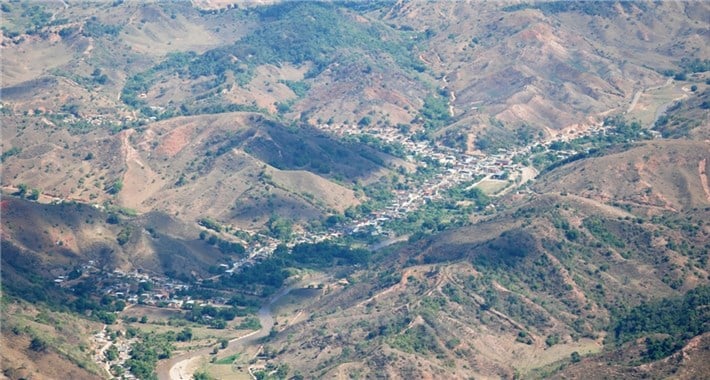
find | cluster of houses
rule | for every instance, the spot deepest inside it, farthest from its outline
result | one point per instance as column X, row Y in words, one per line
column 103, row 341
column 133, row 287
column 458, row 168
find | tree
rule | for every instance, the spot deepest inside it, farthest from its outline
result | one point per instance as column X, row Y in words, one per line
column 105, row 317
column 552, row 340
column 117, row 370
column 280, row 228
column 572, row 234
column 72, row 109
column 185, row 335
column 334, row 220
column 34, row 195
column 201, row 376
column 115, row 187
column 112, row 218
column 22, row 190
column 223, row 343
column 575, row 357
column 282, row 371
column 38, row 344
column 218, row 323
column 124, row 235
column 111, row 353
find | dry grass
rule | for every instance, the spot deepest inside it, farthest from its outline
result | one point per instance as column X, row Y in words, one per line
column 656, row 175
column 228, row 371
column 68, row 344
column 159, row 37
column 492, row 186
column 653, row 102
column 31, row 59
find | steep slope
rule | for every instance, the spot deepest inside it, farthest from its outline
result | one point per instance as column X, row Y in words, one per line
column 497, row 67
column 44, row 344
column 138, row 127
column 516, row 294
column 687, row 118
column 228, row 166
column 640, row 178
column 41, row 241
column 554, row 66
column 688, row 363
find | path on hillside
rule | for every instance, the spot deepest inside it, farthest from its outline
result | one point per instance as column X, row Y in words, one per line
column 702, row 172
column 48, row 198
column 635, row 100
column 640, row 92
column 388, row 242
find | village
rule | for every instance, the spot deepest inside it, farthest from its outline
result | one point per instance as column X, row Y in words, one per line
column 454, row 168
column 508, row 169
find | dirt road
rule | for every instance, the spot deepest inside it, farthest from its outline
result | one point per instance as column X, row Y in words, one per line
column 183, row 367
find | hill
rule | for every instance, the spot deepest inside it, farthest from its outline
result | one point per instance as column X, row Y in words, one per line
column 387, row 72
column 226, row 166
column 355, row 189
column 496, row 72
column 42, row 241
column 36, row 343
column 517, row 294
column 640, row 178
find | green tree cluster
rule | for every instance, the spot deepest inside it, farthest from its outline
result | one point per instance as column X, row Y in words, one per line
column 679, row 318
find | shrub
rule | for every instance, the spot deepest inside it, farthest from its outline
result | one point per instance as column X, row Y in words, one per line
column 185, row 335
column 115, row 187
column 112, row 219
column 365, row 121
column 552, row 340
column 124, row 236
column 38, row 344
column 34, row 195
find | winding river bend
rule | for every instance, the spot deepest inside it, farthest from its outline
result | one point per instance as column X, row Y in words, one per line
column 182, row 367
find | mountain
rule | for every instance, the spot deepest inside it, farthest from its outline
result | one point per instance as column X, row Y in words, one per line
column 394, row 189
column 518, row 293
